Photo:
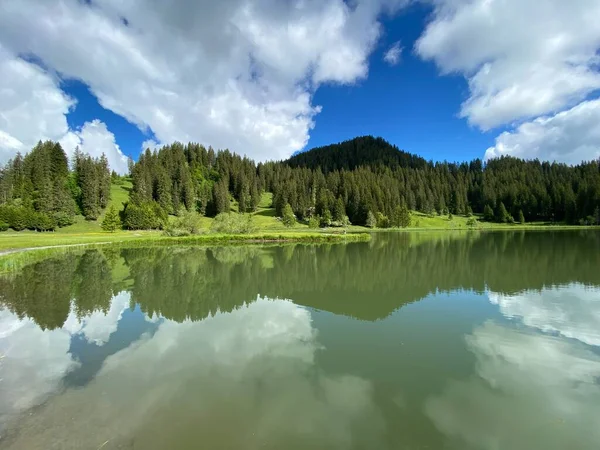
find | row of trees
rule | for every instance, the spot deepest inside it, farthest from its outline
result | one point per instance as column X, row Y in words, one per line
column 40, row 192
column 364, row 181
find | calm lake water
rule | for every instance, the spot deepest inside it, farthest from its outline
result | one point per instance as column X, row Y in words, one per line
column 411, row 341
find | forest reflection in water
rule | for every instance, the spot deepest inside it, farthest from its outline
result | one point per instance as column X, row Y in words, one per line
column 509, row 320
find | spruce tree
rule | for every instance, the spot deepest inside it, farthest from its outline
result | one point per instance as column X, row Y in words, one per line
column 288, row 218
column 521, row 217
column 111, row 221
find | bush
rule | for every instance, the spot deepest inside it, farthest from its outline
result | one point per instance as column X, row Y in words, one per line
column 233, row 223
column 472, row 222
column 146, row 216
column 326, row 219
column 186, row 223
column 314, row 222
column 41, row 222
column 3, row 226
column 63, row 219
column 382, row 220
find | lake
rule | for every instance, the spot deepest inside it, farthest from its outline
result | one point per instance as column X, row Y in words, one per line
column 411, row 341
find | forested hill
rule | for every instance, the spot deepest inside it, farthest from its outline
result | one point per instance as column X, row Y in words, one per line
column 354, row 153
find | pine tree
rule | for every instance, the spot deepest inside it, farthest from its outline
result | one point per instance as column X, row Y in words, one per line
column 521, row 217
column 371, row 221
column 339, row 211
column 288, row 218
column 111, row 221
column 502, row 215
column 488, row 213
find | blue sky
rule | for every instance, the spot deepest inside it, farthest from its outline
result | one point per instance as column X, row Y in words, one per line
column 266, row 78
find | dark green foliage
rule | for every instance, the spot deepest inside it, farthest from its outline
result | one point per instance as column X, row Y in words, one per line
column 502, row 215
column 488, row 213
column 472, row 222
column 400, row 216
column 3, row 226
column 288, row 218
column 521, row 217
column 41, row 222
column 314, row 222
column 145, row 216
column 450, row 217
column 111, row 221
column 339, row 210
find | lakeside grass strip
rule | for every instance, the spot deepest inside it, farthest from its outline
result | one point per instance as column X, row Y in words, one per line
column 17, row 259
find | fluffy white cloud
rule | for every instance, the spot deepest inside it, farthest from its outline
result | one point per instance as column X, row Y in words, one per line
column 522, row 58
column 33, row 108
column 394, row 54
column 255, row 366
column 530, row 391
column 238, row 74
column 570, row 136
column 95, row 138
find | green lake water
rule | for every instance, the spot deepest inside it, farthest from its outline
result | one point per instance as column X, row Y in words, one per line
column 411, row 341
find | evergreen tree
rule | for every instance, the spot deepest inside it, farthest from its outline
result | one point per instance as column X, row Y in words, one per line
column 289, row 219
column 488, row 213
column 502, row 215
column 111, row 221
column 371, row 221
column 521, row 217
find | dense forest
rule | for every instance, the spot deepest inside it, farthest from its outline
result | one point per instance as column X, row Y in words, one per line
column 363, row 181
column 41, row 192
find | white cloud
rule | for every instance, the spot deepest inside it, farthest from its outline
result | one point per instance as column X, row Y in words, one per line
column 95, row 139
column 394, row 54
column 255, row 366
column 572, row 310
column 530, row 391
column 238, row 74
column 522, row 58
column 33, row 108
column 570, row 136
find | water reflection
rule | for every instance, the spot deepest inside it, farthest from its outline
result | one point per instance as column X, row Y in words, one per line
column 269, row 390
column 160, row 347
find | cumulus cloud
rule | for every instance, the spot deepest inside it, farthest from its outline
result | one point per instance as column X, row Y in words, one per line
column 522, row 58
column 394, row 54
column 530, row 391
column 238, row 74
column 95, row 139
column 570, row 136
column 33, row 108
column 255, row 366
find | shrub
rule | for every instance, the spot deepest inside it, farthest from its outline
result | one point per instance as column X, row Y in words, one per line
column 146, row 216
column 3, row 226
column 41, row 222
column 186, row 223
column 63, row 219
column 326, row 219
column 314, row 222
column 233, row 223
column 472, row 222
column 382, row 220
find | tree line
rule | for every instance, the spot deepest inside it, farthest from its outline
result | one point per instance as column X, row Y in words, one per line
column 39, row 191
column 363, row 181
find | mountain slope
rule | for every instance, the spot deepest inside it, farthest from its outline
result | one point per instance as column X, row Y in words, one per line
column 360, row 151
